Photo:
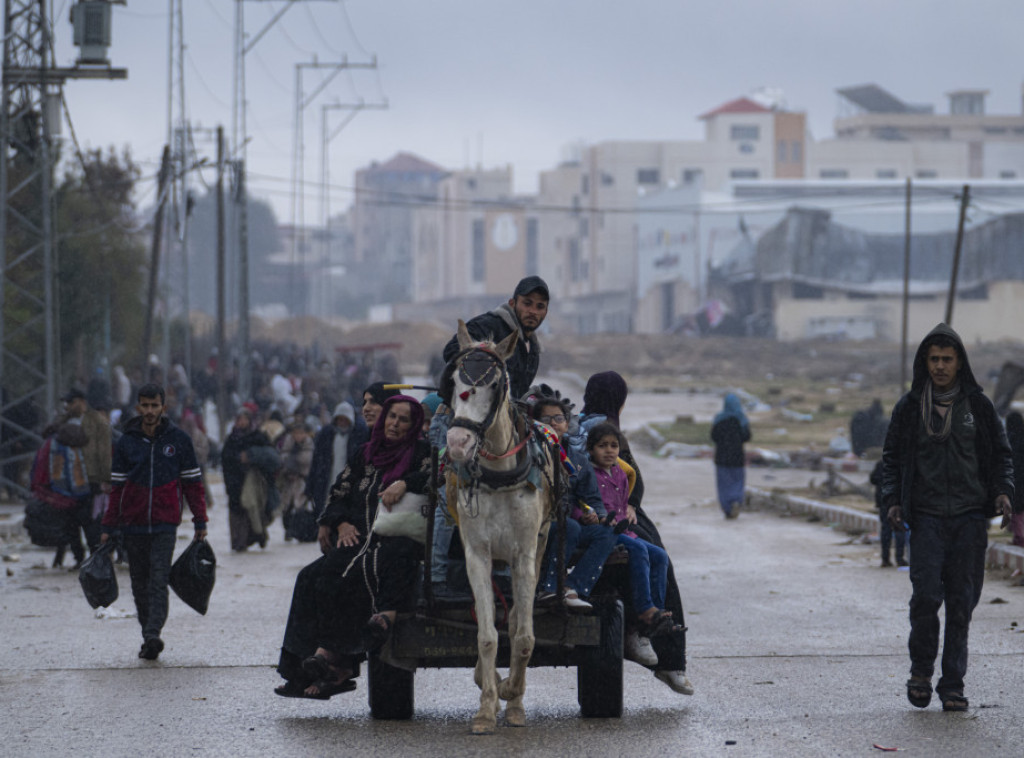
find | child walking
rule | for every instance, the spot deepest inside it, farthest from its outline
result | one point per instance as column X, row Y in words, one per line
column 648, row 564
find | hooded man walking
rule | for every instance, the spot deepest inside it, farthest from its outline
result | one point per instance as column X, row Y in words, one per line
column 947, row 469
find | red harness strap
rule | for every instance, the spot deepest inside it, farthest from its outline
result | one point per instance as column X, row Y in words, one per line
column 509, row 454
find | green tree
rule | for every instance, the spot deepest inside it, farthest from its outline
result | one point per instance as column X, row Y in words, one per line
column 102, row 254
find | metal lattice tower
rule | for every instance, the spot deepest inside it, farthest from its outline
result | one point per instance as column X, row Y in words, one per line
column 31, row 105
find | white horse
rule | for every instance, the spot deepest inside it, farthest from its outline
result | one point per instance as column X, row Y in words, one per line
column 504, row 506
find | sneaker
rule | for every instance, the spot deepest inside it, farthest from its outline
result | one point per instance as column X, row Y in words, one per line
column 575, row 603
column 886, row 563
column 638, row 649
column 901, row 562
column 151, row 648
column 676, row 680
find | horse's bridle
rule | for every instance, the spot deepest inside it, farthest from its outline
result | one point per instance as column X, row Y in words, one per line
column 479, row 366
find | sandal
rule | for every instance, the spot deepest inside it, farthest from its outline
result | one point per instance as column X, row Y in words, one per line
column 376, row 631
column 317, row 667
column 660, row 624
column 919, row 692
column 326, row 688
column 954, row 701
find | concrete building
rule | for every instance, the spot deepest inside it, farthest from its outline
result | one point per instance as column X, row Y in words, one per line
column 471, row 245
column 814, row 277
column 387, row 197
column 878, row 136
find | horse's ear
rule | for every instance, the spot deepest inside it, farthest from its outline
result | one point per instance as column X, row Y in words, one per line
column 507, row 346
column 463, row 335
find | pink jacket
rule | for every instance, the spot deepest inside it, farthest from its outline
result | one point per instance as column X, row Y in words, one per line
column 614, row 486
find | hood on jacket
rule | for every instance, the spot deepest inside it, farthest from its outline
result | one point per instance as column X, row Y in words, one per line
column 134, row 426
column 966, row 376
column 507, row 314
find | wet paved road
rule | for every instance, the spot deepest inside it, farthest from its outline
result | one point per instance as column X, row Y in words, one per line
column 797, row 647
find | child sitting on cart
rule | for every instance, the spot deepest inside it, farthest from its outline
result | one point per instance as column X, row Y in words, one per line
column 648, row 563
column 584, row 529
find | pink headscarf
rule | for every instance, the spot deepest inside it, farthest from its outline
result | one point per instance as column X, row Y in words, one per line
column 394, row 456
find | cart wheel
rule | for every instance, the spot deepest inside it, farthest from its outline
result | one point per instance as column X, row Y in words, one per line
column 390, row 690
column 599, row 671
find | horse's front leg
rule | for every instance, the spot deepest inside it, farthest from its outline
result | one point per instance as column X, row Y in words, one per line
column 478, row 568
column 521, row 637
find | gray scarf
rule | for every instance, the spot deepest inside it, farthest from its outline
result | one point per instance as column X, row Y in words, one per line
column 937, row 425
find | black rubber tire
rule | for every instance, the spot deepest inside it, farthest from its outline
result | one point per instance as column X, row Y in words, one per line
column 599, row 670
column 389, row 690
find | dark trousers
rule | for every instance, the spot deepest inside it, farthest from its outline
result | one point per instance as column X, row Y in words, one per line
column 78, row 520
column 330, row 608
column 149, row 566
column 948, row 567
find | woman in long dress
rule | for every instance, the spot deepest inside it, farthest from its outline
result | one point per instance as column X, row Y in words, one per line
column 729, row 430
column 345, row 602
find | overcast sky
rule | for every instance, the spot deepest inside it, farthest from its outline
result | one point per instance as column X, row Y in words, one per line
column 514, row 82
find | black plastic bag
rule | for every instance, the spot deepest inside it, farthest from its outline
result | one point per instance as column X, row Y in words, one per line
column 193, row 575
column 97, row 577
column 300, row 523
column 45, row 524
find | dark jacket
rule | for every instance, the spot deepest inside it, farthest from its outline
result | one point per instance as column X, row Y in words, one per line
column 323, row 457
column 231, row 462
column 356, row 494
column 496, row 326
column 729, row 435
column 899, row 456
column 149, row 478
column 582, row 486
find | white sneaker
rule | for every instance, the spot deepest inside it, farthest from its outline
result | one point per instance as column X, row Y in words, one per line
column 574, row 602
column 638, row 649
column 676, row 680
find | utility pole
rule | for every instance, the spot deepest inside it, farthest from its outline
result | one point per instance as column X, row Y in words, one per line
column 904, row 332
column 965, row 200
column 322, row 281
column 29, row 123
column 298, row 156
column 222, row 354
column 154, row 260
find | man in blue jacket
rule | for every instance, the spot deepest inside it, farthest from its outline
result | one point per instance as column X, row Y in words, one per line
column 154, row 466
column 947, row 469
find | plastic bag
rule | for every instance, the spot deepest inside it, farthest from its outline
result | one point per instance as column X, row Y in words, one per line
column 193, row 575
column 45, row 524
column 300, row 523
column 97, row 577
column 405, row 519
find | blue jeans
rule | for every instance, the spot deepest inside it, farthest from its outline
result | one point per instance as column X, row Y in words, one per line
column 648, row 573
column 948, row 567
column 149, row 566
column 443, row 532
column 597, row 541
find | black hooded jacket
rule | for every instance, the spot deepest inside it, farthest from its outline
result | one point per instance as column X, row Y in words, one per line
column 899, row 456
column 496, row 325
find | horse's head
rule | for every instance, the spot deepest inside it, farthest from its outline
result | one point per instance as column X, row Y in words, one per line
column 480, row 382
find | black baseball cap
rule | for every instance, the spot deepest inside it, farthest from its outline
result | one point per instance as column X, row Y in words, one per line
column 73, row 394
column 531, row 284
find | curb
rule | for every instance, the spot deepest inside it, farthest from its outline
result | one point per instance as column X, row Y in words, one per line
column 999, row 555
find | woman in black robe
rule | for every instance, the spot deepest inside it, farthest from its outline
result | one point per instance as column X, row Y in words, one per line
column 345, row 602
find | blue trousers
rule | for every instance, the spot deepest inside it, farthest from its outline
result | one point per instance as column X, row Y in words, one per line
column 149, row 566
column 597, row 541
column 948, row 567
column 648, row 573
